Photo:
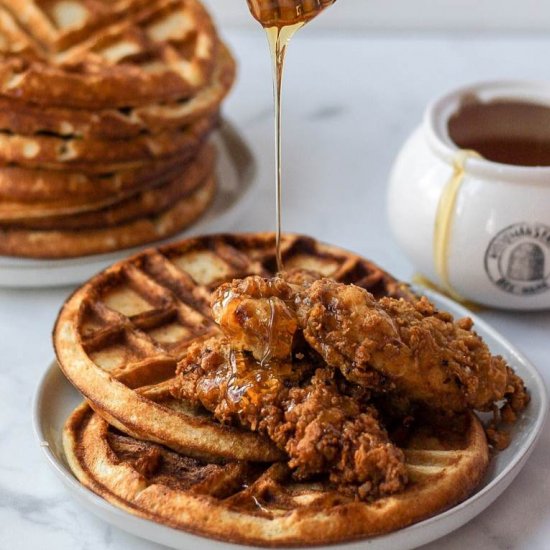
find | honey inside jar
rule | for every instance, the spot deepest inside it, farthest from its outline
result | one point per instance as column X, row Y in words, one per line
column 505, row 131
column 282, row 13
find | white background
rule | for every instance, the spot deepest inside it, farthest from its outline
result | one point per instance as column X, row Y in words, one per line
column 525, row 15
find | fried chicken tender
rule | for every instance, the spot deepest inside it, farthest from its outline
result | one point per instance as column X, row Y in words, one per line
column 422, row 352
column 390, row 345
column 302, row 411
column 328, row 431
column 233, row 385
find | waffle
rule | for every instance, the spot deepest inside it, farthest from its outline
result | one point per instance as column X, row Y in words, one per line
column 129, row 326
column 92, row 156
column 105, row 108
column 260, row 504
column 91, row 54
column 20, row 117
column 115, row 210
column 34, row 185
column 53, row 26
column 54, row 244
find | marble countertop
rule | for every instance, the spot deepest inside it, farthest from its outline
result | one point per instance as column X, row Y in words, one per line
column 351, row 101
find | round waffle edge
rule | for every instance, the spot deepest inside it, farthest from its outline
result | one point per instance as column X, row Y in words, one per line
column 269, row 510
column 116, row 209
column 163, row 51
column 52, row 244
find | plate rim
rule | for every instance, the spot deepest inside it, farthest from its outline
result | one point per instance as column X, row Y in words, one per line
column 481, row 498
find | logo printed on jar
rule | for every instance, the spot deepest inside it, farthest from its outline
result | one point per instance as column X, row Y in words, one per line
column 518, row 259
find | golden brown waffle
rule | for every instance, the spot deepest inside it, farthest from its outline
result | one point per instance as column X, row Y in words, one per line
column 60, row 24
column 92, row 54
column 104, row 109
column 99, row 156
column 66, row 244
column 23, row 118
column 261, row 504
column 129, row 326
column 115, row 210
column 28, row 185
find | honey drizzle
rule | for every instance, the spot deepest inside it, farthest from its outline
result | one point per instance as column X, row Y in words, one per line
column 267, row 354
column 444, row 221
column 281, row 19
column 278, row 39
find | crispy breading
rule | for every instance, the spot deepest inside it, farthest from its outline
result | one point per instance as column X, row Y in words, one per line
column 302, row 356
column 328, row 431
column 422, row 352
column 321, row 429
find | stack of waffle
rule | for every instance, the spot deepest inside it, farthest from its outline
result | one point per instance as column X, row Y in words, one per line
column 105, row 113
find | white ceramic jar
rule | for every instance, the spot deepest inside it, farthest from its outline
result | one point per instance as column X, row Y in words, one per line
column 479, row 228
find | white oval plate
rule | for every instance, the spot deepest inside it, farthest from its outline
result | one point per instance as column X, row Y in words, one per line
column 236, row 171
column 56, row 398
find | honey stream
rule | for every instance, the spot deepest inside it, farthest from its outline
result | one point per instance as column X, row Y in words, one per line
column 281, row 19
